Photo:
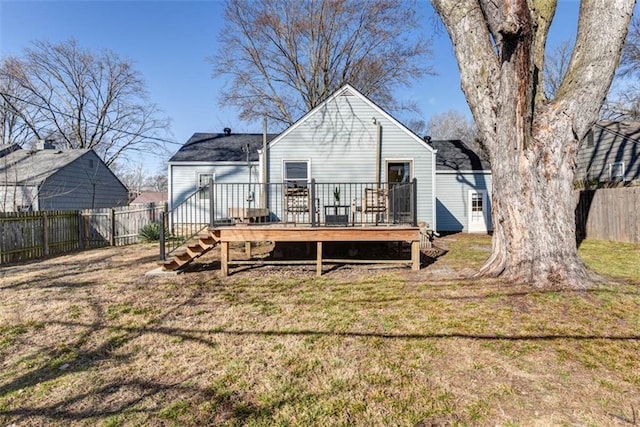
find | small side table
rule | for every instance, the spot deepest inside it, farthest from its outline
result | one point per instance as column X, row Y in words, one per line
column 336, row 214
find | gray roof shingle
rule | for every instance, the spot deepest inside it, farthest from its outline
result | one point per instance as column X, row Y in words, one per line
column 219, row 147
column 455, row 155
column 33, row 167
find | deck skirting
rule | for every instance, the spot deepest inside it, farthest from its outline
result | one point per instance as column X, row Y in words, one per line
column 227, row 235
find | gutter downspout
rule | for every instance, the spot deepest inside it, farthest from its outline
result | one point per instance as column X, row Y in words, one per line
column 378, row 151
column 434, row 187
column 264, row 158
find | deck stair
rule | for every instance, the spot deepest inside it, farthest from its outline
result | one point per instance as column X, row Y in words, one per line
column 183, row 256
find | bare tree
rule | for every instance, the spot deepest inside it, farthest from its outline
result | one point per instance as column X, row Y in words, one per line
column 84, row 99
column 284, row 57
column 532, row 141
column 630, row 62
column 624, row 102
column 556, row 65
column 19, row 123
column 453, row 124
column 138, row 179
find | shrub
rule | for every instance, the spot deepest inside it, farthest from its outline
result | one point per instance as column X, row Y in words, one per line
column 150, row 232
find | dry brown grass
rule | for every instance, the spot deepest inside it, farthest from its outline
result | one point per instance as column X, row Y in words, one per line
column 87, row 339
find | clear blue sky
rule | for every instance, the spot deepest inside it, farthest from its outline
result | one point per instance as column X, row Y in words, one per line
column 170, row 41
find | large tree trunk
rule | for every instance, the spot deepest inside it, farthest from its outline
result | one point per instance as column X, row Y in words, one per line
column 533, row 141
column 533, row 210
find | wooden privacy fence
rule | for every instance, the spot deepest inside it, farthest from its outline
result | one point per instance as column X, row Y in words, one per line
column 609, row 214
column 29, row 235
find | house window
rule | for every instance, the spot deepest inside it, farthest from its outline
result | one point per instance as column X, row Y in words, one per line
column 203, row 185
column 590, row 139
column 399, row 172
column 616, row 171
column 477, row 208
column 296, row 174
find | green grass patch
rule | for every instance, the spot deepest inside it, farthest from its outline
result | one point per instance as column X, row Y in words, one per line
column 380, row 347
column 612, row 259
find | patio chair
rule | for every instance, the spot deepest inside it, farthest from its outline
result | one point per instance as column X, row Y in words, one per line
column 376, row 202
column 296, row 202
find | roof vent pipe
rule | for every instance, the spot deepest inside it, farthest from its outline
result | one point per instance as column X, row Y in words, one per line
column 227, row 131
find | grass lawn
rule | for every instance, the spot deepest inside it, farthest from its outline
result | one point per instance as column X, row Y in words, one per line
column 87, row 339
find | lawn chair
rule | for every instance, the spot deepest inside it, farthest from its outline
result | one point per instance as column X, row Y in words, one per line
column 296, row 202
column 376, row 202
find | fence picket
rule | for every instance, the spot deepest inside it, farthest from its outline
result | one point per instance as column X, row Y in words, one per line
column 29, row 235
column 609, row 214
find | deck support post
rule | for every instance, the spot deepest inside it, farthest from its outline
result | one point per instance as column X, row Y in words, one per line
column 319, row 259
column 415, row 255
column 224, row 259
column 247, row 248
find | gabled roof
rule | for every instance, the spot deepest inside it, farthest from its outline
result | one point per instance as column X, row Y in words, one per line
column 33, row 167
column 348, row 90
column 455, row 155
column 630, row 130
column 8, row 149
column 220, row 147
column 147, row 197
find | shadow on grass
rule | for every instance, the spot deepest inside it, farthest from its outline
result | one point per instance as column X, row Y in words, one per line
column 32, row 282
column 427, row 258
column 236, row 409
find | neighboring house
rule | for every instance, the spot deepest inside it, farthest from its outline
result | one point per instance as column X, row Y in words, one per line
column 610, row 153
column 463, row 188
column 346, row 139
column 146, row 197
column 52, row 179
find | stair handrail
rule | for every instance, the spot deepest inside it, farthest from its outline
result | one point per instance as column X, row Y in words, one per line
column 169, row 240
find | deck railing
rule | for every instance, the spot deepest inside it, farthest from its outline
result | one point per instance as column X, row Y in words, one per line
column 311, row 204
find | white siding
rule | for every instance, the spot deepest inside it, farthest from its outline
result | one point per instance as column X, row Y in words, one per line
column 452, row 198
column 184, row 183
column 339, row 139
column 17, row 197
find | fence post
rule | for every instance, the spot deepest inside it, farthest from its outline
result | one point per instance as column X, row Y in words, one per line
column 414, row 202
column 45, row 234
column 80, row 230
column 312, row 211
column 112, row 240
column 212, row 204
column 162, row 253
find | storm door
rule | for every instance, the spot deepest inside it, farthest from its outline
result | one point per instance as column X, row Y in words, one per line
column 399, row 178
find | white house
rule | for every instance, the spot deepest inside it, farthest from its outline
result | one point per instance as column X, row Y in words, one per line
column 350, row 148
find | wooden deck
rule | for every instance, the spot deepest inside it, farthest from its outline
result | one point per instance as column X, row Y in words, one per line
column 319, row 235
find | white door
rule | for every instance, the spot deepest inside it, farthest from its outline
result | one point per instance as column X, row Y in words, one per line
column 477, row 211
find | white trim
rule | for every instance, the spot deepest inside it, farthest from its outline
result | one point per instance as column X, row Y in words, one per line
column 411, row 162
column 483, row 172
column 170, row 186
column 307, row 161
column 433, row 193
column 198, row 187
column 479, row 228
column 366, row 100
column 205, row 163
column 617, row 165
column 263, row 179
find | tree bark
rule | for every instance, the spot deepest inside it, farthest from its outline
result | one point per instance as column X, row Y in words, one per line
column 533, row 141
